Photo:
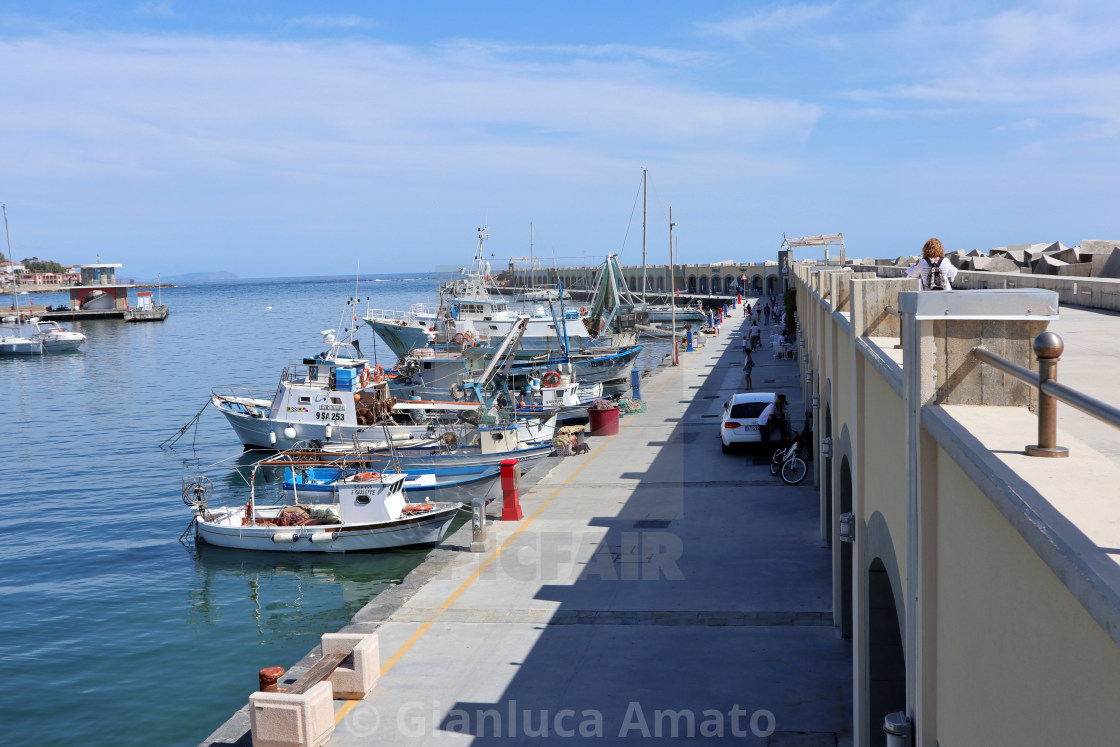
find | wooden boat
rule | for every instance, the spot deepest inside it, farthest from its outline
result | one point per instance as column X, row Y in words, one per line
column 365, row 511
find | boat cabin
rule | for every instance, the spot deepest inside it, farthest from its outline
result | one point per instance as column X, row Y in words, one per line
column 369, row 497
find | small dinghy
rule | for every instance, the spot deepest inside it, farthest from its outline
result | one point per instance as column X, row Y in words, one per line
column 363, row 511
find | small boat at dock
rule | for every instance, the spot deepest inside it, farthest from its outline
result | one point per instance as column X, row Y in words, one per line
column 364, row 511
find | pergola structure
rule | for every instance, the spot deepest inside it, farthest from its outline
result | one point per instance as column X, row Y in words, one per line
column 826, row 240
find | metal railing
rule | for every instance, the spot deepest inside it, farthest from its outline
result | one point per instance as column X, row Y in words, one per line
column 1048, row 348
column 894, row 312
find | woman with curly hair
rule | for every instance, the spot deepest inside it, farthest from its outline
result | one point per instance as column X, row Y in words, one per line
column 933, row 256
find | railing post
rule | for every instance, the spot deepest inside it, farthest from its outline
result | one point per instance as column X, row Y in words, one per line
column 1048, row 347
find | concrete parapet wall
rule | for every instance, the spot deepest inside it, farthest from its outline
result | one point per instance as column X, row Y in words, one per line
column 1004, row 605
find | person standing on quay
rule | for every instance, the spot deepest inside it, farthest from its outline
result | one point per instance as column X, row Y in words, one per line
column 748, row 366
column 755, row 334
column 933, row 255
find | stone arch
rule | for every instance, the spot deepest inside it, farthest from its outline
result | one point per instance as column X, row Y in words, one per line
column 702, row 285
column 691, row 284
column 661, row 285
column 772, row 285
column 884, row 613
column 756, row 285
column 717, row 284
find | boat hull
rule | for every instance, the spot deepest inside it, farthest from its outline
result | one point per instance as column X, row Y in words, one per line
column 419, row 530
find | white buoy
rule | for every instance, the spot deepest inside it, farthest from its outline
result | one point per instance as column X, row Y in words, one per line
column 272, row 437
column 330, row 430
column 289, row 433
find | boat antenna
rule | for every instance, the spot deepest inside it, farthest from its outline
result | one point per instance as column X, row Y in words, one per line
column 645, row 186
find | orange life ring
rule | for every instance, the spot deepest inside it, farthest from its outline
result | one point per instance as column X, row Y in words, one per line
column 364, row 381
column 367, row 476
column 459, row 338
column 550, row 379
column 583, row 311
column 417, row 508
column 378, row 374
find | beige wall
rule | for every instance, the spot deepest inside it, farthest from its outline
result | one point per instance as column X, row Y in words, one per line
column 1019, row 660
column 999, row 650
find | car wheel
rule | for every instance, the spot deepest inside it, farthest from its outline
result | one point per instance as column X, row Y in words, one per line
column 725, row 447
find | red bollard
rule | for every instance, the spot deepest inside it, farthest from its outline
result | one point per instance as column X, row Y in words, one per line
column 268, row 677
column 511, row 490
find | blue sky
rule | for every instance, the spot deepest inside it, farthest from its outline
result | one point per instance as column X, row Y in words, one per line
column 282, row 138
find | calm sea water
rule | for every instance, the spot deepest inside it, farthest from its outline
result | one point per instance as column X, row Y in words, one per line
column 112, row 631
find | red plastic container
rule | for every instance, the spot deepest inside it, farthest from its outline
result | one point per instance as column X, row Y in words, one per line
column 603, row 422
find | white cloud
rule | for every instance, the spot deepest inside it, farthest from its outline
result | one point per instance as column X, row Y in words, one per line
column 782, row 18
column 205, row 144
column 333, row 22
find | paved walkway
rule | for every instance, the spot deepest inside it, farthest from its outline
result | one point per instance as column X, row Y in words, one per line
column 656, row 587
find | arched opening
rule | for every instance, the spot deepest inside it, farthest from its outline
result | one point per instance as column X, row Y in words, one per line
column 885, row 655
column 827, row 466
column 756, row 285
column 772, row 285
column 661, row 285
column 703, row 284
column 845, row 553
column 691, row 283
column 716, row 284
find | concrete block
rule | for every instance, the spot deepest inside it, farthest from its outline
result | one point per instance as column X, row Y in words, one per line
column 1063, row 253
column 993, row 264
column 358, row 675
column 976, row 253
column 1018, row 247
column 1076, row 269
column 958, row 259
column 285, row 720
column 1047, row 265
column 1098, row 246
column 1111, row 267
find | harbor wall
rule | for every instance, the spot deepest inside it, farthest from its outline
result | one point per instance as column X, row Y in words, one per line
column 977, row 603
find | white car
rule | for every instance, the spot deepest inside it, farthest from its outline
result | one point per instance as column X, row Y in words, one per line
column 740, row 418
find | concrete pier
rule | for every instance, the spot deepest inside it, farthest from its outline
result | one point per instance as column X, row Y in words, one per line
column 656, row 588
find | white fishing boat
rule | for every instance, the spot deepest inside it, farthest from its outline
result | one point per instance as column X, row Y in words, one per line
column 470, row 314
column 56, row 338
column 335, row 397
column 364, row 511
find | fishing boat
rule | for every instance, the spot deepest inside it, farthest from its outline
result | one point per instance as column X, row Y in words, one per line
column 470, row 314
column 338, row 396
column 364, row 511
column 456, row 484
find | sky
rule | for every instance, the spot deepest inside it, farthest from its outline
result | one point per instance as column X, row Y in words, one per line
column 285, row 139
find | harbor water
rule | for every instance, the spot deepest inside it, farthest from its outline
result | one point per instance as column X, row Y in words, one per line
column 113, row 631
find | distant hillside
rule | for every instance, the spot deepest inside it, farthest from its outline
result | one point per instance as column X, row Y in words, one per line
column 198, row 277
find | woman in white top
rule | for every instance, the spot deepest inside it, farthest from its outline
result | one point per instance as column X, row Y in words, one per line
column 933, row 255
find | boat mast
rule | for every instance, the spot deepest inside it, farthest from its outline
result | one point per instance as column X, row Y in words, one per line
column 645, row 186
column 15, row 277
column 532, row 262
column 673, row 291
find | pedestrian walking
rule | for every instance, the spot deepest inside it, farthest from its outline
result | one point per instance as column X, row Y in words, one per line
column 766, row 313
column 748, row 366
column 755, row 334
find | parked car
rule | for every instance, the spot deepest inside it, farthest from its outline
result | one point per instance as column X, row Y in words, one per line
column 740, row 418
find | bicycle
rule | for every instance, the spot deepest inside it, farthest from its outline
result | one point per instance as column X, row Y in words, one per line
column 787, row 462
